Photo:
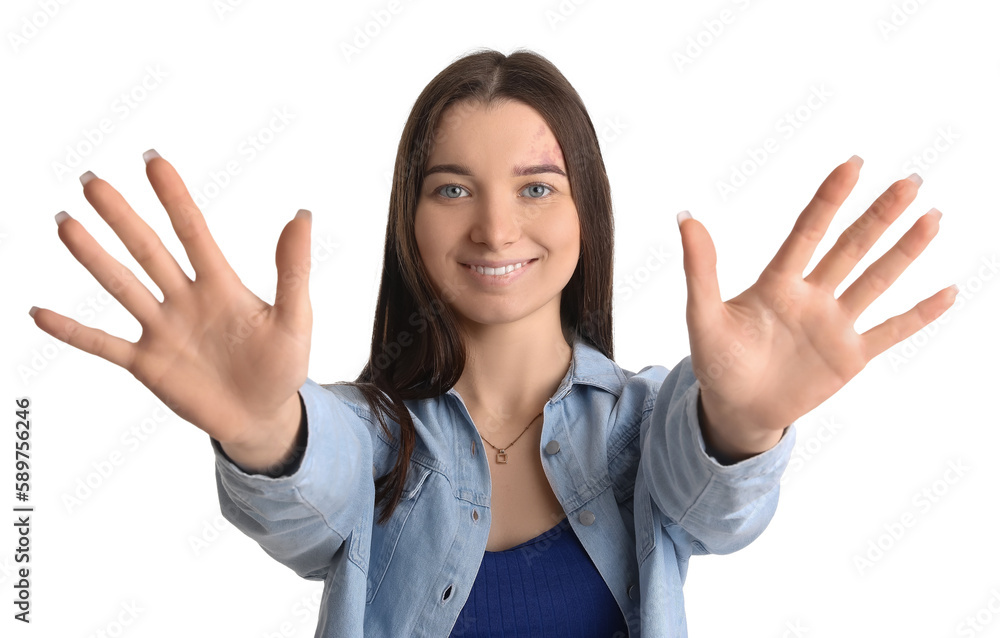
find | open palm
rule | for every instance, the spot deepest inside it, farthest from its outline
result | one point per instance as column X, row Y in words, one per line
column 783, row 346
column 212, row 351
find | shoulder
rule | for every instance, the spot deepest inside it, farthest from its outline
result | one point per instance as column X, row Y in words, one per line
column 593, row 368
column 429, row 417
column 350, row 396
column 601, row 386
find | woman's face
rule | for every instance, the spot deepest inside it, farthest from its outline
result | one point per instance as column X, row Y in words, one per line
column 496, row 193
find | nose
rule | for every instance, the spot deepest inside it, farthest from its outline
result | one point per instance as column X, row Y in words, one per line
column 497, row 222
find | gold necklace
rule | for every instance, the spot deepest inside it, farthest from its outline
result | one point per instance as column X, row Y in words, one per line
column 502, row 453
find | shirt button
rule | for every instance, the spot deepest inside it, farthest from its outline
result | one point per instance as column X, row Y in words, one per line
column 475, row 515
column 587, row 517
column 632, row 592
column 552, row 446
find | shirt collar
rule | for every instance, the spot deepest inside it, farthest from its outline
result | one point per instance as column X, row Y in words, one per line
column 588, row 366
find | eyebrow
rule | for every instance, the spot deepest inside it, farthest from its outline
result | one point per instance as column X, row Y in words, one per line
column 519, row 171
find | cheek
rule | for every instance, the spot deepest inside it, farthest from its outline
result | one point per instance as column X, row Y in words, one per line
column 422, row 232
column 569, row 230
column 431, row 242
column 424, row 251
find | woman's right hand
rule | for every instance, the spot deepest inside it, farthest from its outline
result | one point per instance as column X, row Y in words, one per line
column 215, row 353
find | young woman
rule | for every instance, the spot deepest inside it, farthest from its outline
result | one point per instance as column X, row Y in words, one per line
column 521, row 482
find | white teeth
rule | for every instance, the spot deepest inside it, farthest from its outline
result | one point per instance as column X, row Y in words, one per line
column 503, row 270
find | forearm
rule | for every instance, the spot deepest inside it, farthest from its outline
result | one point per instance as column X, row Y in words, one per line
column 302, row 517
column 723, row 504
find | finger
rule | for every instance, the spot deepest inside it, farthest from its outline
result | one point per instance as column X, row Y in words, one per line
column 137, row 236
column 880, row 275
column 794, row 254
column 890, row 332
column 90, row 340
column 860, row 236
column 188, row 222
column 291, row 299
column 108, row 271
column 699, row 268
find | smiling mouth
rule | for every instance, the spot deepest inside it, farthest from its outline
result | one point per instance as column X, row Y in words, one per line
column 500, row 271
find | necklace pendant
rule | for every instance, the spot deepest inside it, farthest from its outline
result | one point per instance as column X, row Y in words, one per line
column 502, row 456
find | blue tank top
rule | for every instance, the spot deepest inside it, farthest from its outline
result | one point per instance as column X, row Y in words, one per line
column 546, row 586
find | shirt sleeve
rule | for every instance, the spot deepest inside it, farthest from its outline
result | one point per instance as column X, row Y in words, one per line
column 723, row 507
column 302, row 519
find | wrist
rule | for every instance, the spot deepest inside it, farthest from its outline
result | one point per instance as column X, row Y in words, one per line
column 270, row 443
column 731, row 438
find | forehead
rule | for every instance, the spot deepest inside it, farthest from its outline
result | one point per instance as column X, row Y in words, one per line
column 508, row 131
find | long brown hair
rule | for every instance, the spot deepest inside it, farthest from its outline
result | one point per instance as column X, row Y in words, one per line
column 417, row 350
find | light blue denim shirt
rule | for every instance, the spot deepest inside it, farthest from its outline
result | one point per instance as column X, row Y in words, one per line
column 622, row 451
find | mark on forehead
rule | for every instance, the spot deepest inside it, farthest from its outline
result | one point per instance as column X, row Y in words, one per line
column 548, row 154
column 542, row 129
column 553, row 155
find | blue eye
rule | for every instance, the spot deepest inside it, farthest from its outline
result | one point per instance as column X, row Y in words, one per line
column 530, row 188
column 450, row 189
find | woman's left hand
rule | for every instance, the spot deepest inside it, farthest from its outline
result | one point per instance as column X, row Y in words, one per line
column 786, row 344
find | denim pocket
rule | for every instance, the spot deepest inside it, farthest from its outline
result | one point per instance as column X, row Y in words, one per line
column 385, row 537
column 645, row 529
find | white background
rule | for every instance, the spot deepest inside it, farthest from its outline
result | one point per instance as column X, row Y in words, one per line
column 901, row 80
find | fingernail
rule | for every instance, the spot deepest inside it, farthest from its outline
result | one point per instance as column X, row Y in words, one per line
column 681, row 216
column 303, row 213
column 935, row 213
column 32, row 311
column 856, row 160
column 61, row 216
column 86, row 177
column 916, row 179
column 149, row 155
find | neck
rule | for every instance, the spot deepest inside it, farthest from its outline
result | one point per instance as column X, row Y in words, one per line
column 512, row 369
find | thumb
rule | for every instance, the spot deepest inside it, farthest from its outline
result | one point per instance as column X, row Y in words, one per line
column 291, row 299
column 703, row 294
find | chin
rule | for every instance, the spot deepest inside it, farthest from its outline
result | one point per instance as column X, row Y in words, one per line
column 483, row 316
